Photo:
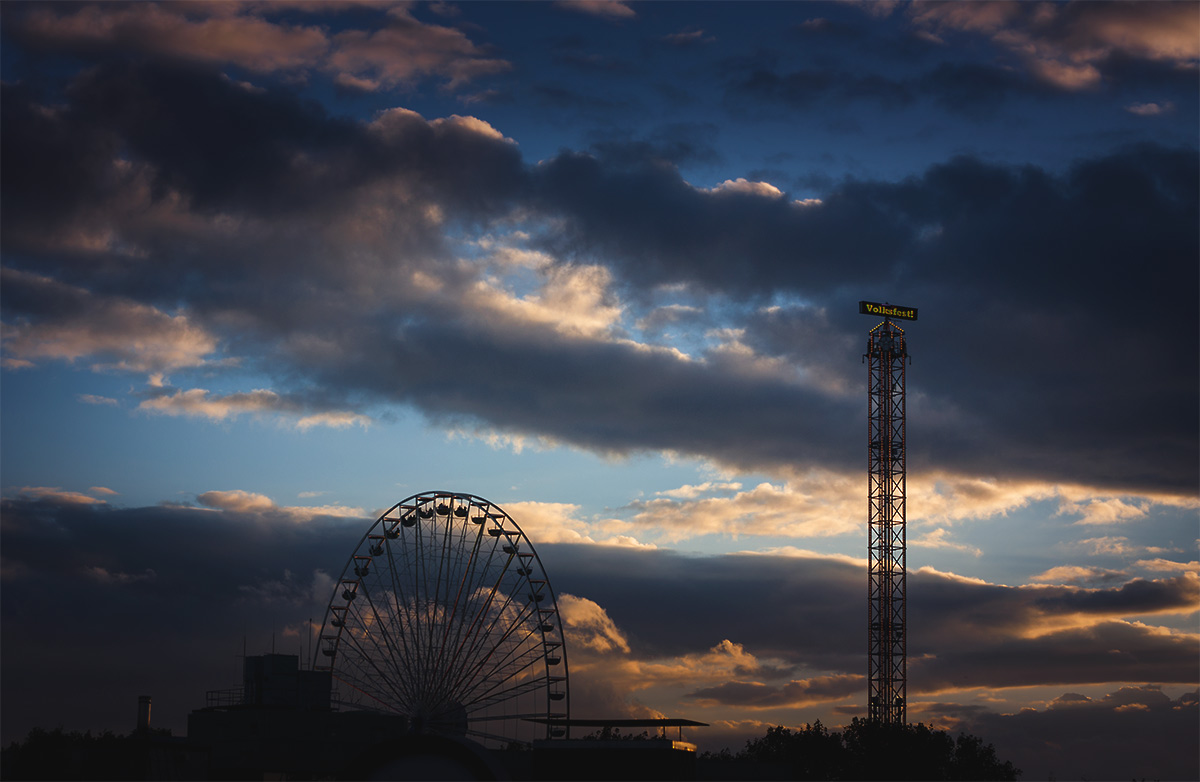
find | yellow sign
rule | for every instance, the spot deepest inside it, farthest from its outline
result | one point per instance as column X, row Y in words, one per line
column 887, row 310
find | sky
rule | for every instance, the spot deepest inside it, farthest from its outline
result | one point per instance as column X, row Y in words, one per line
column 271, row 268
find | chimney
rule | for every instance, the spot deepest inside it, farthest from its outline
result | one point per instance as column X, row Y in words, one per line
column 143, row 718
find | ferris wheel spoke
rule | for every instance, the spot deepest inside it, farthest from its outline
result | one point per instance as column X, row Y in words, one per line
column 527, row 611
column 477, row 636
column 409, row 600
column 366, row 676
column 507, row 694
column 468, row 631
column 469, row 666
column 466, row 571
column 512, row 657
column 378, row 675
column 398, row 599
column 465, row 584
column 388, row 651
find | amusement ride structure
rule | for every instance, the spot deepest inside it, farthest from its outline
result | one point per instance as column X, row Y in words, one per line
column 444, row 617
column 887, row 355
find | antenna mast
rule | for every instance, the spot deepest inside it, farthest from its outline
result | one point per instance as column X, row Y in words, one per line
column 887, row 615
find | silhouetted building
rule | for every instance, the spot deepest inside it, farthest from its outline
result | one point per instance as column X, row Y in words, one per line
column 280, row 724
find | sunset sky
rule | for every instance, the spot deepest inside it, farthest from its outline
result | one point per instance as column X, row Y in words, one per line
column 270, row 268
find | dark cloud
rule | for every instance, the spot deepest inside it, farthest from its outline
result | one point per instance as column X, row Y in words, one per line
column 86, row 632
column 756, row 695
column 963, row 633
column 55, row 168
column 611, row 397
column 805, row 88
column 1134, row 733
column 675, row 143
column 1034, row 266
column 561, row 96
column 162, row 597
column 220, row 144
column 660, row 229
column 973, row 89
column 1051, row 302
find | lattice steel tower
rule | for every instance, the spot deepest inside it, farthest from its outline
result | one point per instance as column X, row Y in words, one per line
column 887, row 355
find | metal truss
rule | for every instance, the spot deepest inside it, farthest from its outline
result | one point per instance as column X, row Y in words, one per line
column 887, row 539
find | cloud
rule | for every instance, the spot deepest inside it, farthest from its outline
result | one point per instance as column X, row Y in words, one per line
column 102, row 576
column 1150, row 109
column 558, row 522
column 92, row 399
column 589, row 625
column 239, row 501
column 689, row 37
column 50, row 320
column 692, row 492
column 1075, row 574
column 640, row 623
column 236, row 500
column 794, row 694
column 1166, row 565
column 197, row 403
column 820, row 505
column 741, row 185
column 940, row 539
column 54, row 494
column 225, row 36
column 607, row 9
column 398, row 54
column 575, row 301
column 367, row 233
column 1116, row 545
column 1104, row 511
column 405, row 51
column 1069, row 46
column 1121, row 734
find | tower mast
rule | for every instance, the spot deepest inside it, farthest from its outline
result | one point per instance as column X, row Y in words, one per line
column 887, row 643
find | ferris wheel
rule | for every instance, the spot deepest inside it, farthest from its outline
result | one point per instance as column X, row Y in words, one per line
column 444, row 616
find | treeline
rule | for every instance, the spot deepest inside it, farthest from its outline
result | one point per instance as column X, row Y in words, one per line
column 863, row 750
column 56, row 754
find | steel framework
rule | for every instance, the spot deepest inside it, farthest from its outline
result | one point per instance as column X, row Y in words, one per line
column 886, row 356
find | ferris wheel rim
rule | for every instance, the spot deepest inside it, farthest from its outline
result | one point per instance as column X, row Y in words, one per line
column 487, row 673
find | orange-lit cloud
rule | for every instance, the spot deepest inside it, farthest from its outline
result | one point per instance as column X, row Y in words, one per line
column 117, row 333
column 92, row 399
column 589, row 625
column 240, row 501
column 55, row 494
column 406, row 50
column 204, row 33
column 824, row 504
column 243, row 34
column 198, row 403
column 1075, row 574
column 743, row 186
column 558, row 522
column 1066, row 45
column 609, row 9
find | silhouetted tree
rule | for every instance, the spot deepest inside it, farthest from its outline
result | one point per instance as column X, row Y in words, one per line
column 867, row 750
column 55, row 754
column 811, row 752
